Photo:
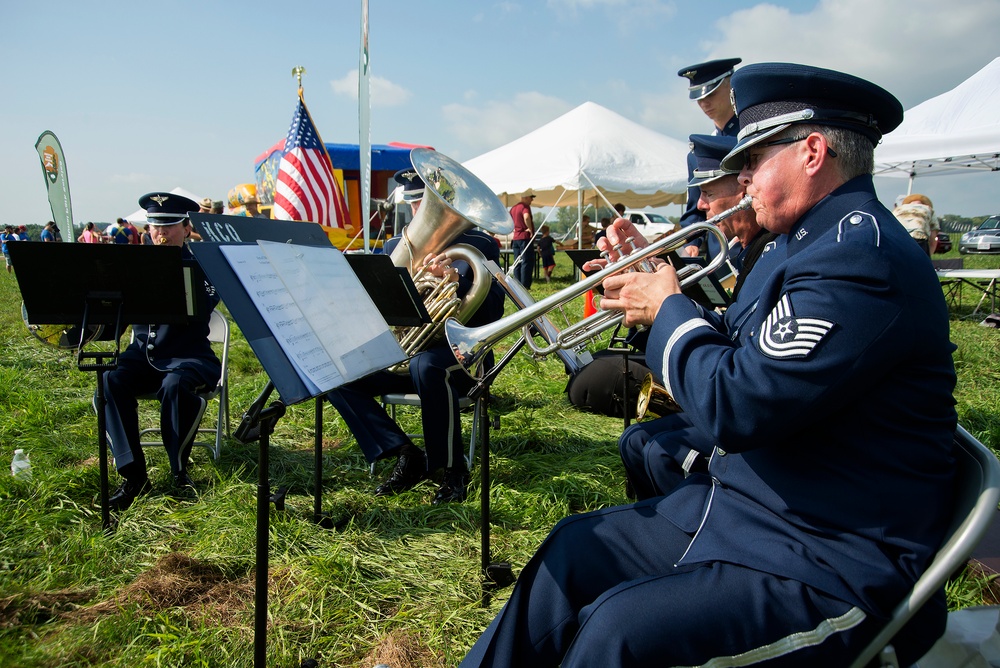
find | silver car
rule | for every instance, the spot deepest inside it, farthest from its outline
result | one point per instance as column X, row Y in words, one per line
column 983, row 239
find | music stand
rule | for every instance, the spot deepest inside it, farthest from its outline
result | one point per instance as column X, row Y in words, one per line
column 391, row 288
column 258, row 423
column 86, row 285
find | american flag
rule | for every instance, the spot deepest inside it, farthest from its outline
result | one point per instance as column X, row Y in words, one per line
column 306, row 188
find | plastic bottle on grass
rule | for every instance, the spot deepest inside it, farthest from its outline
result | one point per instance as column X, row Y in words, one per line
column 20, row 466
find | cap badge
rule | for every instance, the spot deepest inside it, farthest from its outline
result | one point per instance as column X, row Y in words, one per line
column 159, row 199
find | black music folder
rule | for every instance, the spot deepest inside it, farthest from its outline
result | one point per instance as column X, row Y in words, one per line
column 391, row 288
column 60, row 282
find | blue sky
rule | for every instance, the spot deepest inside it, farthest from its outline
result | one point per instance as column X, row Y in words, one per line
column 150, row 96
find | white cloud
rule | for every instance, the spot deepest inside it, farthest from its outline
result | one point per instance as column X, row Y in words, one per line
column 383, row 92
column 482, row 128
column 914, row 48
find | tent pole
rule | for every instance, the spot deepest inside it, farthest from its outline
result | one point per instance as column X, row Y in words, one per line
column 579, row 219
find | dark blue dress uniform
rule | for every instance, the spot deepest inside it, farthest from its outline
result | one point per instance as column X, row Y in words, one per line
column 826, row 393
column 434, row 374
column 704, row 79
column 173, row 361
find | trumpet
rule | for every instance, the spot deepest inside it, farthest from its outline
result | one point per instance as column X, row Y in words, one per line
column 470, row 344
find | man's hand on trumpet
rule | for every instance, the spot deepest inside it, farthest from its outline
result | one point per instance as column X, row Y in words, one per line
column 636, row 293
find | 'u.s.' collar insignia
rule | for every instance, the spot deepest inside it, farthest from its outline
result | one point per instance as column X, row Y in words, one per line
column 159, row 199
column 783, row 336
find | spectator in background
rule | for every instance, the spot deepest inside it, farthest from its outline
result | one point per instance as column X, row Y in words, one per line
column 523, row 244
column 22, row 233
column 217, row 207
column 133, row 237
column 916, row 214
column 147, row 238
column 90, row 235
column 603, row 232
column 547, row 249
column 50, row 232
column 206, row 205
column 119, row 232
column 6, row 236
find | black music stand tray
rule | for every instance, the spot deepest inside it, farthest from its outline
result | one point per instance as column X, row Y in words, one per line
column 88, row 285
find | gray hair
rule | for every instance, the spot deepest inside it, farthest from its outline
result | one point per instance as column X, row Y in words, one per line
column 855, row 153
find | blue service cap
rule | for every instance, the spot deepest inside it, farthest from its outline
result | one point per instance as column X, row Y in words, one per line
column 709, row 150
column 769, row 97
column 413, row 185
column 706, row 77
column 166, row 208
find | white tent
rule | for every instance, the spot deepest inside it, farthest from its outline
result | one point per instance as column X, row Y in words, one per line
column 957, row 131
column 567, row 160
column 139, row 216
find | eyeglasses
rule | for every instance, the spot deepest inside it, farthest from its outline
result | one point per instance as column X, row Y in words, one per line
column 752, row 161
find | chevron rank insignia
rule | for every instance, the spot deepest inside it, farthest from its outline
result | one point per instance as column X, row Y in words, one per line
column 783, row 336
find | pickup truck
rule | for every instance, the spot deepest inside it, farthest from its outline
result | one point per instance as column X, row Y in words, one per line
column 652, row 225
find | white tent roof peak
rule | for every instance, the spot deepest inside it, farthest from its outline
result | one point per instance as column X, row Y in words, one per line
column 586, row 147
column 956, row 131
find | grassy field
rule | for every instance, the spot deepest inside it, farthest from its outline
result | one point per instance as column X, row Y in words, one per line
column 398, row 581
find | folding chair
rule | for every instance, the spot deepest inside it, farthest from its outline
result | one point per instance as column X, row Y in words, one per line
column 411, row 399
column 218, row 333
column 976, row 495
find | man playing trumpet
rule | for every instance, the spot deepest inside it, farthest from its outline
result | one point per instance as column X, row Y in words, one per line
column 660, row 453
column 827, row 394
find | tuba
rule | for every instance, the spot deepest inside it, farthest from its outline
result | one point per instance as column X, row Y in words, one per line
column 454, row 202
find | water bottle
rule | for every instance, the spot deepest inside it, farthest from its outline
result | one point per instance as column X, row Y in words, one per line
column 20, row 466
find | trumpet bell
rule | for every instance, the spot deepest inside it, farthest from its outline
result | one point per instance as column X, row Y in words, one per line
column 654, row 400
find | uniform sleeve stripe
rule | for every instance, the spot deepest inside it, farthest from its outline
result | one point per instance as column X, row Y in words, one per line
column 680, row 331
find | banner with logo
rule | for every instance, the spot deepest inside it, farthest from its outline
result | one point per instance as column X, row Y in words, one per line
column 56, row 183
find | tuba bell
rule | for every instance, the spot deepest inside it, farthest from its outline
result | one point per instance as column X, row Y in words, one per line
column 454, row 202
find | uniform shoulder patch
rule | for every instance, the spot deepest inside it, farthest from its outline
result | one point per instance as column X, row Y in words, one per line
column 784, row 336
column 859, row 221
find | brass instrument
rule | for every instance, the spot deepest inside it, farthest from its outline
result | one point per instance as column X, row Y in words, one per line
column 64, row 337
column 654, row 400
column 470, row 344
column 454, row 201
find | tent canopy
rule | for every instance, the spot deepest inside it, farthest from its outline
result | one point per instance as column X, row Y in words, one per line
column 954, row 132
column 587, row 149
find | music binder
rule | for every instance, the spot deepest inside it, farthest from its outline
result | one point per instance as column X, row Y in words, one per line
column 391, row 288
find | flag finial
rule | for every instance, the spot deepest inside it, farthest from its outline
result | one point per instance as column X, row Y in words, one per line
column 297, row 72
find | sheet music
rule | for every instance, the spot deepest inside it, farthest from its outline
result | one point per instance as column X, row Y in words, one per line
column 337, row 307
column 317, row 310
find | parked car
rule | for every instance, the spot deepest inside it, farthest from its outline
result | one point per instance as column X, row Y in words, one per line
column 984, row 239
column 944, row 243
column 652, row 225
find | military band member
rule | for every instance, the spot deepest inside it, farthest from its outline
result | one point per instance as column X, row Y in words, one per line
column 434, row 375
column 827, row 393
column 173, row 361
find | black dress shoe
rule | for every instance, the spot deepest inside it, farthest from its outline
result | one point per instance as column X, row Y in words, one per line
column 184, row 484
column 411, row 468
column 453, row 489
column 128, row 492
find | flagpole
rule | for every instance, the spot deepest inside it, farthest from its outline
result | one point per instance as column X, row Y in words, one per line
column 364, row 129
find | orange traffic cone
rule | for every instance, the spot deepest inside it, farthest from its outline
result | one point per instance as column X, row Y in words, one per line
column 588, row 303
